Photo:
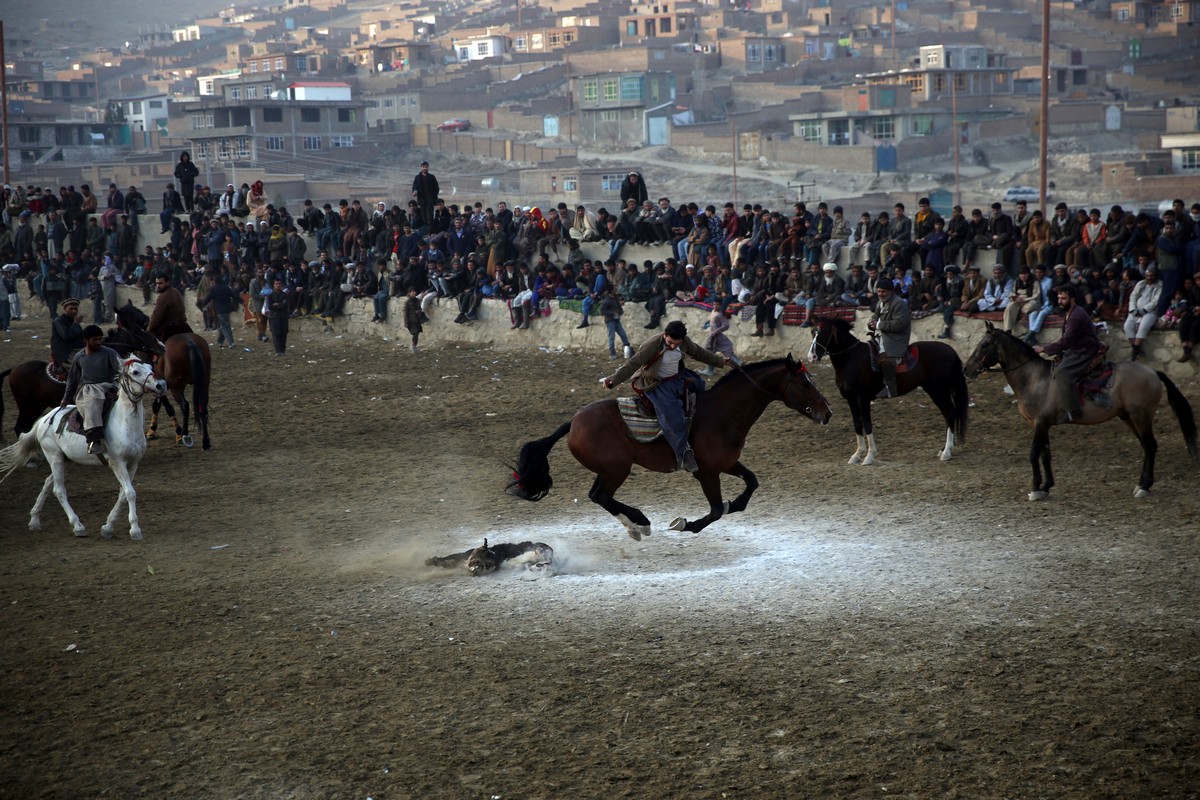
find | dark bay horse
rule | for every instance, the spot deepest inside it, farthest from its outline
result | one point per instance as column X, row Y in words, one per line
column 600, row 441
column 1134, row 397
column 939, row 371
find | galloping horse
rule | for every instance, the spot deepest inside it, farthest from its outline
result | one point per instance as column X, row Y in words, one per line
column 1135, row 394
column 600, row 441
column 35, row 391
column 125, row 445
column 938, row 371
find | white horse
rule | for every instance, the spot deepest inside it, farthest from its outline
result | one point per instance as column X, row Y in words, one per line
column 125, row 445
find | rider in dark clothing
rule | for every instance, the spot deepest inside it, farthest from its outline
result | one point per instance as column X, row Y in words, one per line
column 1078, row 345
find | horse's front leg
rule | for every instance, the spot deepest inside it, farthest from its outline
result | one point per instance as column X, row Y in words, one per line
column 869, row 432
column 601, row 493
column 740, row 502
column 1039, row 456
column 710, row 482
column 128, row 494
column 1143, row 428
column 860, row 438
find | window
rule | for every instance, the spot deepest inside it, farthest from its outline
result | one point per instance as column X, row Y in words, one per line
column 239, row 116
column 1001, row 80
column 885, row 128
column 310, row 115
column 243, row 147
column 341, row 141
column 653, row 90
column 753, row 53
column 483, row 48
column 922, row 124
column 960, row 81
column 223, row 151
column 251, row 92
column 568, row 37
column 810, row 130
column 272, row 115
column 770, row 53
column 916, row 82
column 387, row 102
column 1189, row 158
column 136, row 107
column 570, row 183
column 274, row 143
column 28, row 135
column 254, row 66
column 608, row 116
column 202, row 150
column 610, row 90
column 933, row 58
column 235, row 93
column 301, row 63
column 664, row 24
column 612, row 182
column 1176, row 13
column 886, row 98
column 589, row 91
column 519, row 43
column 939, row 83
column 555, row 39
column 278, row 64
column 312, row 142
column 155, row 104
column 631, row 28
column 347, row 115
column 631, row 88
column 202, row 121
column 839, row 132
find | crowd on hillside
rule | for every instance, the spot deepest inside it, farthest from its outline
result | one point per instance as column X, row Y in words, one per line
column 1137, row 269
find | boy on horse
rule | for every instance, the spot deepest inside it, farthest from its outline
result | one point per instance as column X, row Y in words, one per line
column 94, row 372
column 659, row 375
column 1078, row 346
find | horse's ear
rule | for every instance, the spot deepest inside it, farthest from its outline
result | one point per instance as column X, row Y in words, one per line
column 791, row 363
column 990, row 327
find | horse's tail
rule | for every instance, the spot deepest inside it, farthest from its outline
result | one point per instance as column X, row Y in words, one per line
column 531, row 478
column 18, row 453
column 1183, row 413
column 960, row 395
column 199, row 379
column 3, row 375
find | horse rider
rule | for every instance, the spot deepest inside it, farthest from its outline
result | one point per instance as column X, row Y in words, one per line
column 658, row 373
column 892, row 324
column 66, row 334
column 1078, row 345
column 169, row 316
column 93, row 373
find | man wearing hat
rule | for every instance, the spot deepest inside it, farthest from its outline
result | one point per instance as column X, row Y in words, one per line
column 1000, row 230
column 951, row 295
column 1143, row 310
column 634, row 188
column 892, row 324
column 66, row 334
column 93, row 373
column 1063, row 234
column 1078, row 345
column 1026, row 298
column 973, row 288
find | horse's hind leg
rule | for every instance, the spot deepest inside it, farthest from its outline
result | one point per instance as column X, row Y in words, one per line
column 945, row 404
column 633, row 519
column 159, row 402
column 1039, row 457
column 711, row 483
column 860, row 439
column 1143, row 429
column 58, row 472
column 181, row 433
column 869, row 431
column 35, row 515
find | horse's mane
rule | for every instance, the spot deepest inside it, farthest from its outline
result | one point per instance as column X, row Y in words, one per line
column 1022, row 347
column 771, row 362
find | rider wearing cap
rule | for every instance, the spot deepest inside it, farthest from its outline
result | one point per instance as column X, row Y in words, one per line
column 893, row 322
column 94, row 372
column 657, row 371
column 1078, row 345
column 66, row 334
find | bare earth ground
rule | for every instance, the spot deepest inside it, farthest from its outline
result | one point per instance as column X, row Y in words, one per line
column 913, row 629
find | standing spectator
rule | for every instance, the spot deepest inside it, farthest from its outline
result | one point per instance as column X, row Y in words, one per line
column 186, row 173
column 425, row 191
column 633, row 188
column 224, row 301
column 172, row 202
column 412, row 316
column 610, row 309
column 279, row 310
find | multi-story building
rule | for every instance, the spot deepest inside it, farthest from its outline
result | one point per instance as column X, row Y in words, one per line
column 629, row 107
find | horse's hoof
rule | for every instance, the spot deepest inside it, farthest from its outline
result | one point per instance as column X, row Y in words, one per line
column 1038, row 495
column 187, row 441
column 135, row 535
column 81, row 532
column 151, row 435
column 106, row 531
column 868, row 461
column 1139, row 493
column 35, row 525
column 636, row 532
column 854, row 459
column 678, row 524
column 943, row 456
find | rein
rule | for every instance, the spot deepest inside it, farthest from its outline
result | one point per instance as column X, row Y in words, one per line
column 131, row 387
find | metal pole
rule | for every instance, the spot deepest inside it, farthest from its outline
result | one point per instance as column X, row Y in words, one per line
column 1044, row 127
column 733, row 133
column 957, row 138
column 893, row 31
column 4, row 101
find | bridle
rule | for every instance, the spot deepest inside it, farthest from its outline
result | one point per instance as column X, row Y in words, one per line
column 135, row 389
column 825, row 351
column 999, row 363
column 808, row 409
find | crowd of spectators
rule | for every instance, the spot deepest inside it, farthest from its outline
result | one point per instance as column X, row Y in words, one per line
column 1137, row 269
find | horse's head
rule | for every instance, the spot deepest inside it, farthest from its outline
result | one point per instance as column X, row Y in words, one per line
column 138, row 379
column 482, row 559
column 801, row 394
column 987, row 352
column 131, row 317
column 827, row 337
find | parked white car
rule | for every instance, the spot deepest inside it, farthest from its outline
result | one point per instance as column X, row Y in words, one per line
column 1026, row 193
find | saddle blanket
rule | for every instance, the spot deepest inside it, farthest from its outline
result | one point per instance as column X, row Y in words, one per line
column 909, row 362
column 1097, row 385
column 641, row 427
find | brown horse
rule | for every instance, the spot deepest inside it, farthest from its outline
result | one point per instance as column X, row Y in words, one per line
column 1134, row 397
column 186, row 360
column 600, row 441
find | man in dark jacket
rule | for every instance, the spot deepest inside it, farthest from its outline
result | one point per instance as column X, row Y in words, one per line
column 1078, row 346
column 172, row 205
column 633, row 188
column 425, row 190
column 225, row 301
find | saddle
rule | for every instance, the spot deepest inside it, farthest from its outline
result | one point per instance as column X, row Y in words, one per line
column 911, row 356
column 1098, row 382
column 73, row 422
column 641, row 419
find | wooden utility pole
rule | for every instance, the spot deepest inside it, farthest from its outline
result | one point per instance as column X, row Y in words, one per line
column 4, row 101
column 733, row 133
column 1044, row 125
column 957, row 137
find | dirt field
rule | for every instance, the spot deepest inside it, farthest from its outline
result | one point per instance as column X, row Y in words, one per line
column 912, row 629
